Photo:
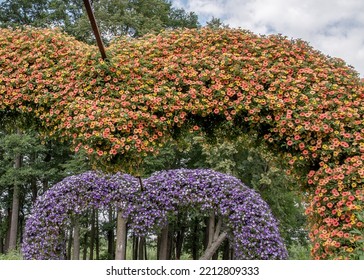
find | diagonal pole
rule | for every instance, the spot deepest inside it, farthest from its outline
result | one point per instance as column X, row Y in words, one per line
column 95, row 29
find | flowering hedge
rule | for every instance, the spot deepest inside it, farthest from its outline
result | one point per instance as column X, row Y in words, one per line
column 304, row 104
column 247, row 218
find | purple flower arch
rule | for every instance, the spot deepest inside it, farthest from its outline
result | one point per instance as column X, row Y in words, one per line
column 43, row 238
column 250, row 224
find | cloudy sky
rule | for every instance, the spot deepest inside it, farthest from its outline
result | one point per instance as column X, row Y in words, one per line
column 335, row 27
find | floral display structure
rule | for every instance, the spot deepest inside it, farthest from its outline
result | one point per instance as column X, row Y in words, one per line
column 247, row 218
column 306, row 106
column 51, row 215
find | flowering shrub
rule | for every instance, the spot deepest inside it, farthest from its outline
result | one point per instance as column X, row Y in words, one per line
column 251, row 226
column 304, row 104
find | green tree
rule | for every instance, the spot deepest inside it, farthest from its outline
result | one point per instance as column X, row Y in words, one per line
column 115, row 17
column 28, row 167
column 23, row 12
column 40, row 13
column 216, row 23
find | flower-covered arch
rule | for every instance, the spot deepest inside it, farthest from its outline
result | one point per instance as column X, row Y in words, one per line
column 247, row 218
column 44, row 233
column 305, row 105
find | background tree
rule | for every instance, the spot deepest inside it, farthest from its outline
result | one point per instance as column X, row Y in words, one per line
column 114, row 17
column 216, row 23
column 29, row 167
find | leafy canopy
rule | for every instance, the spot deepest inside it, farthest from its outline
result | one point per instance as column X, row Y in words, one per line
column 114, row 17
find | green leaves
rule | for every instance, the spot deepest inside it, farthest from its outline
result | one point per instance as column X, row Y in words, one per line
column 114, row 17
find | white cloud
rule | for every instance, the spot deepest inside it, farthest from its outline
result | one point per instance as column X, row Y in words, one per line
column 335, row 27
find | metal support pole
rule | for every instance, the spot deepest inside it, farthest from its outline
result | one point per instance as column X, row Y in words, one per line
column 95, row 29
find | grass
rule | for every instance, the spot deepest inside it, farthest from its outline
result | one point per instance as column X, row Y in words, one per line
column 13, row 255
column 296, row 252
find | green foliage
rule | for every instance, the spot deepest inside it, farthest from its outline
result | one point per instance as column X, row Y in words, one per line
column 76, row 163
column 41, row 161
column 297, row 251
column 13, row 255
column 358, row 251
column 23, row 12
column 42, row 165
column 173, row 155
column 19, row 144
column 137, row 18
column 114, row 17
column 216, row 23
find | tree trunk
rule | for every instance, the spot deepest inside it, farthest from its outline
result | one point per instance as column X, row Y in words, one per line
column 8, row 221
column 76, row 239
column 214, row 238
column 92, row 234
column 226, row 250
column 195, row 239
column 2, row 250
column 21, row 222
column 163, row 249
column 110, row 236
column 179, row 243
column 33, row 180
column 135, row 247
column 33, row 186
column 180, row 235
column 69, row 243
column 45, row 183
column 171, row 245
column 210, row 251
column 141, row 251
column 97, row 236
column 120, row 253
column 210, row 230
column 85, row 241
column 15, row 209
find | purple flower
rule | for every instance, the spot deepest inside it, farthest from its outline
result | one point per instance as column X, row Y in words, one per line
column 251, row 226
